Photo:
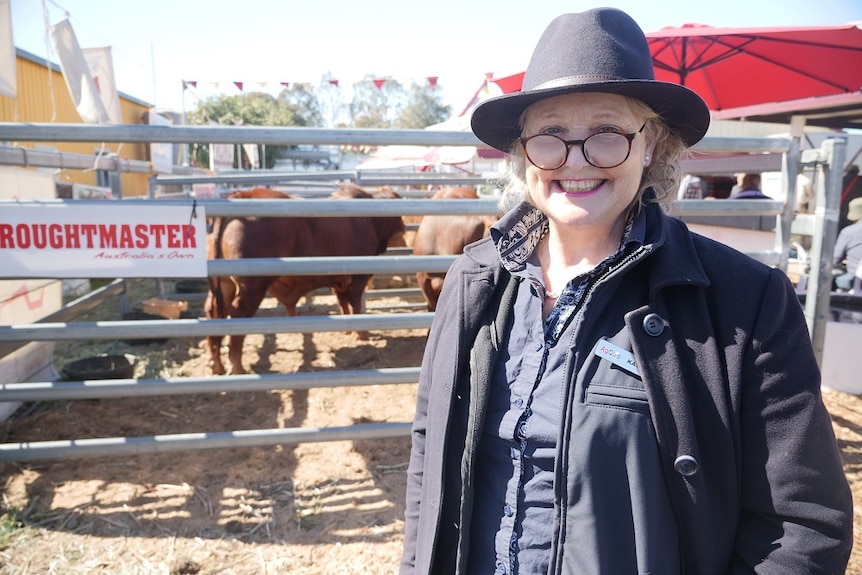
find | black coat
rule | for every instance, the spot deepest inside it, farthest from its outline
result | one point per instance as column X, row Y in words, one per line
column 750, row 459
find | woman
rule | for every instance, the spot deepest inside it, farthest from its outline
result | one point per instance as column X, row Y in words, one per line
column 603, row 392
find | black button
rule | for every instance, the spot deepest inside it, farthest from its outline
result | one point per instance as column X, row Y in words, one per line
column 653, row 324
column 686, row 465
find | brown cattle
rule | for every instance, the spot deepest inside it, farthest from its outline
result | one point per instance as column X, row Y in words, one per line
column 446, row 235
column 278, row 237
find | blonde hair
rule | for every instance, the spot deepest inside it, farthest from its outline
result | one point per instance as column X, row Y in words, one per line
column 660, row 179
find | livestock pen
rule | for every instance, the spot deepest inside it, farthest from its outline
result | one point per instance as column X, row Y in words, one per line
column 719, row 155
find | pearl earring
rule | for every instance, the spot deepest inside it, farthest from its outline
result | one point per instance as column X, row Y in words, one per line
column 647, row 158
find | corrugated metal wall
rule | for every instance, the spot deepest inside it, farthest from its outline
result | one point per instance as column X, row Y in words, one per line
column 45, row 98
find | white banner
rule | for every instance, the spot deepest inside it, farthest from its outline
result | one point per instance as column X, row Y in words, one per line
column 8, row 64
column 76, row 72
column 161, row 154
column 101, row 66
column 252, row 155
column 123, row 239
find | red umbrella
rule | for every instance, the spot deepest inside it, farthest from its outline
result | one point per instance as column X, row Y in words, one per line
column 734, row 67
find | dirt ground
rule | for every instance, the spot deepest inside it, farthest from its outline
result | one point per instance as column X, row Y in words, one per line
column 312, row 508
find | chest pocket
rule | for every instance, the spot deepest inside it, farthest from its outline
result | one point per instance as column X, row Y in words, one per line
column 611, row 379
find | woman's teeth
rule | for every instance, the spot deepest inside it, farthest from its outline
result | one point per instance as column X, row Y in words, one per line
column 580, row 186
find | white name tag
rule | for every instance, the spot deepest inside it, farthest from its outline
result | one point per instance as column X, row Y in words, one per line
column 617, row 356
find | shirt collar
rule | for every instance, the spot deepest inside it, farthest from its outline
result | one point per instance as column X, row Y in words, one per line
column 519, row 231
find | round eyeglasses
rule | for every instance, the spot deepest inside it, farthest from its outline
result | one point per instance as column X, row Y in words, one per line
column 602, row 149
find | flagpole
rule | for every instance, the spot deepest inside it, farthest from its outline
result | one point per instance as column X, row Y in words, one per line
column 183, row 150
column 153, row 68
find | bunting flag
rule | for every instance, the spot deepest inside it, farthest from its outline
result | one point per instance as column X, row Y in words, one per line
column 8, row 63
column 268, row 86
column 76, row 72
column 101, row 66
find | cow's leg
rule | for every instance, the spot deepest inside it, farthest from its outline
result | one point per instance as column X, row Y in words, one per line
column 424, row 281
column 435, row 287
column 217, row 306
column 352, row 300
column 249, row 294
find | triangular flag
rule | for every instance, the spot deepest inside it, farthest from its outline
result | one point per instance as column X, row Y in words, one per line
column 238, row 85
column 191, row 83
column 286, row 84
column 334, row 83
column 432, row 81
column 379, row 83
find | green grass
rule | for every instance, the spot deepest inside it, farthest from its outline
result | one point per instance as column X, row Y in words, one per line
column 10, row 525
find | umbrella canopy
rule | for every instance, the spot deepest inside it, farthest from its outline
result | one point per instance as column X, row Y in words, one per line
column 736, row 67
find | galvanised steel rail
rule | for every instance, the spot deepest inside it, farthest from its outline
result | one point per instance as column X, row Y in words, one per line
column 156, row 329
column 178, row 134
column 114, row 388
column 115, row 446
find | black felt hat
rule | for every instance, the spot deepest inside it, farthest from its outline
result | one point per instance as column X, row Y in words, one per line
column 600, row 50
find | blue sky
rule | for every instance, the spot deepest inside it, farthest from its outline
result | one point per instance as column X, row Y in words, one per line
column 157, row 44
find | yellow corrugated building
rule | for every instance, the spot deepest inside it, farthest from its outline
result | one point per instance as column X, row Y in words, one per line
column 43, row 97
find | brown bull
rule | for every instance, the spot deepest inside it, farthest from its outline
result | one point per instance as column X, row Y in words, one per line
column 446, row 235
column 278, row 237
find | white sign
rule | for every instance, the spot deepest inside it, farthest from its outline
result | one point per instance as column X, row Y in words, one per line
column 120, row 240
column 221, row 157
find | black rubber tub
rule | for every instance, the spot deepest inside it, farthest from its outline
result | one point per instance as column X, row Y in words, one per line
column 103, row 366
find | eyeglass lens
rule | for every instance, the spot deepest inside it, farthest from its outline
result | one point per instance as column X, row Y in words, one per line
column 603, row 150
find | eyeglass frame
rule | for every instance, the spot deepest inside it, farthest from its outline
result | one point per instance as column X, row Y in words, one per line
column 629, row 136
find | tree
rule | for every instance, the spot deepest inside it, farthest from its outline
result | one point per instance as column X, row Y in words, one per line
column 376, row 103
column 424, row 108
column 294, row 106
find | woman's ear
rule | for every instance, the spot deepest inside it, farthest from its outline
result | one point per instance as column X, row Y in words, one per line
column 650, row 146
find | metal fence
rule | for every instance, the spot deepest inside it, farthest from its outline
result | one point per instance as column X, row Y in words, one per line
column 714, row 156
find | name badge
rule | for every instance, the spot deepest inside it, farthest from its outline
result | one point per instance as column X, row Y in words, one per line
column 617, row 356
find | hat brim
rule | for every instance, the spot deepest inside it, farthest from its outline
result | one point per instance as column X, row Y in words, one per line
column 495, row 121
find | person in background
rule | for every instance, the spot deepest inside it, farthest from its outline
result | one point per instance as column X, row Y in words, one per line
column 749, row 188
column 805, row 200
column 851, row 189
column 848, row 247
column 603, row 391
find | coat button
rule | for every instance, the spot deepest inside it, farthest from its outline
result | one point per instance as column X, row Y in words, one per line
column 686, row 465
column 653, row 324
